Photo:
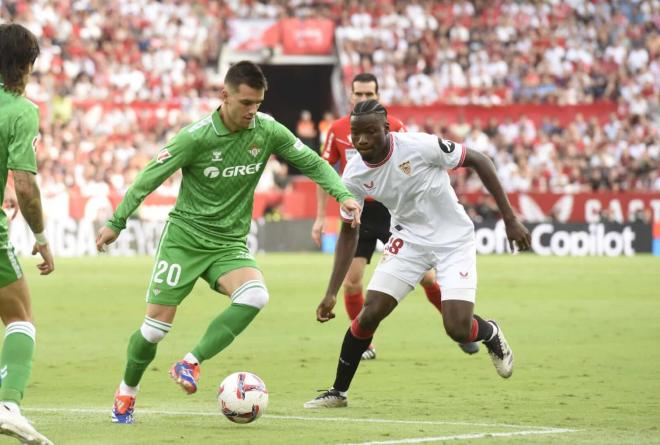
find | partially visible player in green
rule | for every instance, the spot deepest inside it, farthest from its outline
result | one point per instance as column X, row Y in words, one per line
column 19, row 130
column 222, row 157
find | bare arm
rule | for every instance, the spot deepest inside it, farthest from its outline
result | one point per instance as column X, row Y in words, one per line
column 484, row 167
column 29, row 201
column 344, row 253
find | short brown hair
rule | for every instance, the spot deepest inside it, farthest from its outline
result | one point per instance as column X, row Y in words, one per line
column 364, row 78
column 18, row 51
column 248, row 73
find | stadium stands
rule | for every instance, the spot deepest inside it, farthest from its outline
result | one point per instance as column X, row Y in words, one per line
column 116, row 79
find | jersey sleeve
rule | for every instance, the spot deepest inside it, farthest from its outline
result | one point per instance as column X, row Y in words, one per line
column 359, row 197
column 176, row 154
column 286, row 145
column 22, row 146
column 444, row 153
column 330, row 151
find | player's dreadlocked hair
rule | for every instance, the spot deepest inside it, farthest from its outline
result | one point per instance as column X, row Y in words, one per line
column 365, row 78
column 18, row 51
column 248, row 73
column 368, row 107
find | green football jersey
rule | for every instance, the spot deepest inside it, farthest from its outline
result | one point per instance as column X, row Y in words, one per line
column 220, row 172
column 19, row 130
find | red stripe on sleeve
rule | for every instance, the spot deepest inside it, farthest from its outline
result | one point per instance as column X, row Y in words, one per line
column 460, row 162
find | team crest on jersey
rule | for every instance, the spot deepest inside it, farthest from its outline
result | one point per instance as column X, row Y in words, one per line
column 254, row 151
column 217, row 156
column 163, row 155
column 406, row 168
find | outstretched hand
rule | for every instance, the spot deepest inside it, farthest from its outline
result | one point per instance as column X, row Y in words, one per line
column 351, row 207
column 106, row 236
column 47, row 265
column 517, row 233
column 324, row 311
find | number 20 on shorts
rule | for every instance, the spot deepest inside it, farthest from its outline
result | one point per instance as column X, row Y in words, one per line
column 172, row 273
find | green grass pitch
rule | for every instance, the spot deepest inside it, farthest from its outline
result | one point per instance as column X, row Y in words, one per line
column 585, row 332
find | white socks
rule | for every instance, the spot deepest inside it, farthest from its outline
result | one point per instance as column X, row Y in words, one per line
column 191, row 359
column 125, row 390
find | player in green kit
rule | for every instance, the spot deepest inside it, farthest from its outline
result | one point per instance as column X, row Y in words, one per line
column 221, row 157
column 19, row 130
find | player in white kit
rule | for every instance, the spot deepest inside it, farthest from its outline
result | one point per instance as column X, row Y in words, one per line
column 407, row 172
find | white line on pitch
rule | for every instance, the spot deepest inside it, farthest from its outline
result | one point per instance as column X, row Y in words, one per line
column 147, row 411
column 463, row 436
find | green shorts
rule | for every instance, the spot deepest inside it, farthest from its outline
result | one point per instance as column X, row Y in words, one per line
column 10, row 269
column 182, row 257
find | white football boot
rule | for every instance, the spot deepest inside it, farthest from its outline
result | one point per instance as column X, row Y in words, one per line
column 14, row 424
column 500, row 352
column 328, row 399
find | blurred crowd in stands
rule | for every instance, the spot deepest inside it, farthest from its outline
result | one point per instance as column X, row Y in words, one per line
column 498, row 52
column 110, row 70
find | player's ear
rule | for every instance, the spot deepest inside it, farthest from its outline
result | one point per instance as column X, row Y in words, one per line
column 387, row 126
column 224, row 94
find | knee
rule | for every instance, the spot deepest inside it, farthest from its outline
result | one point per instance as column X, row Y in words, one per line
column 353, row 281
column 252, row 293
column 352, row 284
column 428, row 279
column 458, row 329
column 369, row 318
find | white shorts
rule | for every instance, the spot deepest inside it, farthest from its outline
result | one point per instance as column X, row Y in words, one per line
column 403, row 264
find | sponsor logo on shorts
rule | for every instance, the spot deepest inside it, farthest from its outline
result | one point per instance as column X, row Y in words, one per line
column 463, row 274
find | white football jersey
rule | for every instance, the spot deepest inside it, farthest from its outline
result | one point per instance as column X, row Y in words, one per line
column 413, row 183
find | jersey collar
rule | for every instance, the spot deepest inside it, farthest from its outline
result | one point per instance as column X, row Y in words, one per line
column 220, row 128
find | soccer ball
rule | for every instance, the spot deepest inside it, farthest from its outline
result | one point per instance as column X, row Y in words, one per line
column 242, row 397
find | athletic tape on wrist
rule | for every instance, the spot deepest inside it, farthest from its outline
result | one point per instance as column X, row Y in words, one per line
column 40, row 238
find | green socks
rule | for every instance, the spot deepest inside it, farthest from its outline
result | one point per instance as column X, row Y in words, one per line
column 222, row 331
column 16, row 360
column 142, row 349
